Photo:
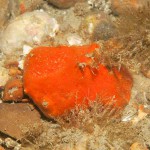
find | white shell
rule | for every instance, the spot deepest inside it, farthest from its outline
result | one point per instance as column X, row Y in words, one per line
column 30, row 28
column 26, row 49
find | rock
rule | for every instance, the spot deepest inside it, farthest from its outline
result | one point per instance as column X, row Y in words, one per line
column 17, row 119
column 63, row 3
column 31, row 28
column 4, row 12
column 13, row 90
column 119, row 6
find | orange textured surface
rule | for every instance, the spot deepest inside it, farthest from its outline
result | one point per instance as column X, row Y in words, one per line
column 56, row 83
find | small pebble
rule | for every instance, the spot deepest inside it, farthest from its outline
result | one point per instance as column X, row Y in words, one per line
column 13, row 90
column 63, row 3
column 121, row 6
column 138, row 146
column 11, row 143
column 14, row 72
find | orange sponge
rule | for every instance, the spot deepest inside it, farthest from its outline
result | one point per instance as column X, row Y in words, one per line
column 58, row 78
